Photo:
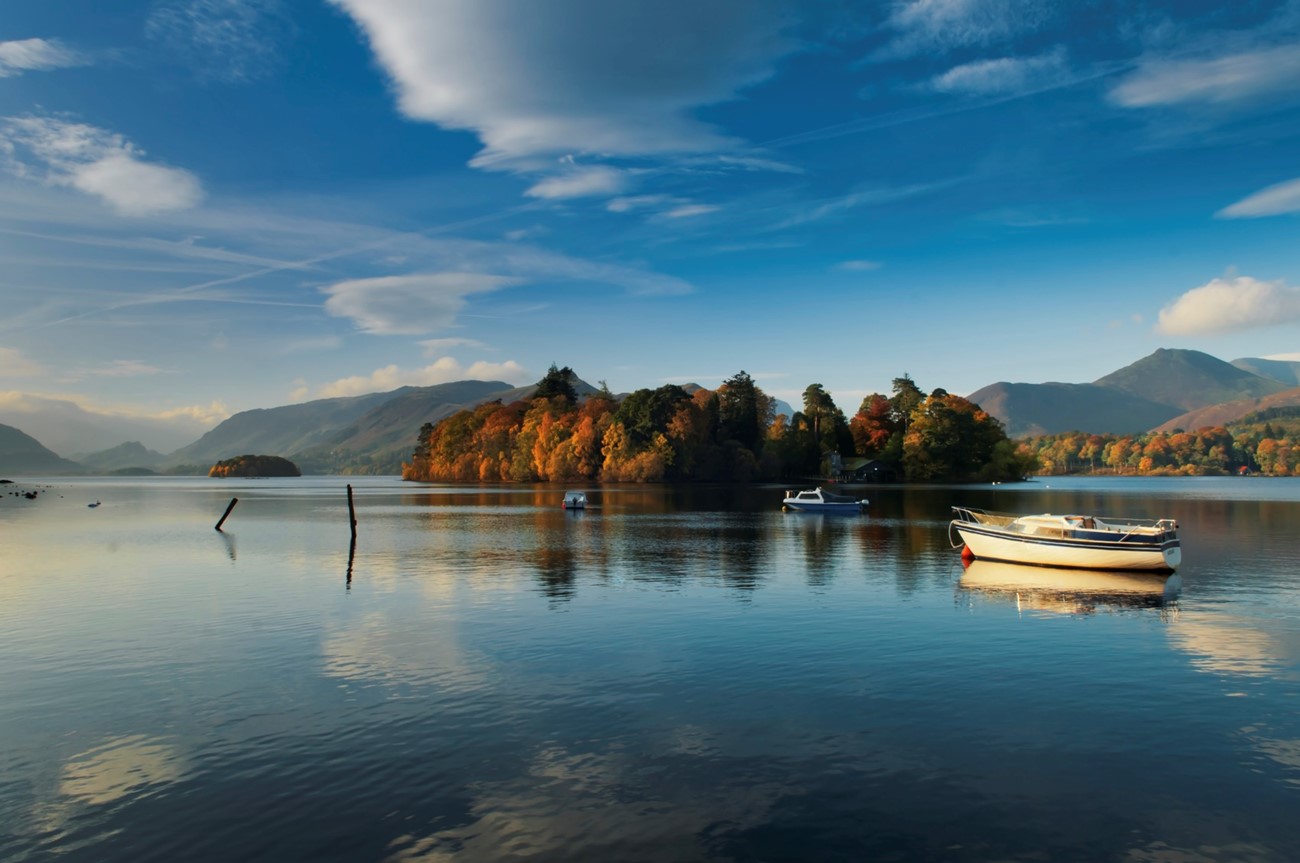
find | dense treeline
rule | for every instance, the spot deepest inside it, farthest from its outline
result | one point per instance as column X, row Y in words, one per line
column 254, row 465
column 1247, row 447
column 731, row 434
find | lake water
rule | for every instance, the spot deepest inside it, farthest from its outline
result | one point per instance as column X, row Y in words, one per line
column 674, row 674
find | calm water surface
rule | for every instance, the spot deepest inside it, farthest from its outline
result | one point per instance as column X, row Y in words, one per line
column 674, row 674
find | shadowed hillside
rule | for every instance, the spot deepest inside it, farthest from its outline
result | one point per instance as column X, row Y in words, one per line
column 384, row 437
column 1051, row 408
column 22, row 454
column 127, row 455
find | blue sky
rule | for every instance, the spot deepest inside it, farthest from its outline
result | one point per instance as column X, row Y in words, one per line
column 208, row 206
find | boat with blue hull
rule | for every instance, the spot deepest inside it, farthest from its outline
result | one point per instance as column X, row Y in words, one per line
column 820, row 500
column 1075, row 541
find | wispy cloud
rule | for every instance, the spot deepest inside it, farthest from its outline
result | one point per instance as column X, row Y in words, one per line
column 37, row 55
column 940, row 25
column 1272, row 201
column 1228, row 305
column 1003, row 75
column 687, row 211
column 437, row 346
column 121, row 369
column 445, row 370
column 408, row 305
column 76, row 422
column 862, row 198
column 580, row 183
column 13, row 364
column 573, row 76
column 858, row 266
column 95, row 161
column 226, row 41
column 1218, row 80
column 639, row 202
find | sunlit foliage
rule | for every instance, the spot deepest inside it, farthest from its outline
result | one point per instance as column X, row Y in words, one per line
column 729, row 435
column 1271, row 448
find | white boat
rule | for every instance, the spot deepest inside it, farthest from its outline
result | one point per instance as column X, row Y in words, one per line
column 1076, row 541
column 818, row 500
column 575, row 500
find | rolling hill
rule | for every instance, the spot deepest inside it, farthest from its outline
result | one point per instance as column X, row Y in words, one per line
column 1150, row 392
column 129, row 454
column 1188, row 380
column 1050, row 408
column 1286, row 371
column 1230, row 412
column 22, row 454
column 371, row 432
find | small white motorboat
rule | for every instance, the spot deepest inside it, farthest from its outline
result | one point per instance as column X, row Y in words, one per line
column 1076, row 541
column 820, row 500
column 575, row 500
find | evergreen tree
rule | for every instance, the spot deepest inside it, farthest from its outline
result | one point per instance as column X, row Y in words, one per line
column 557, row 382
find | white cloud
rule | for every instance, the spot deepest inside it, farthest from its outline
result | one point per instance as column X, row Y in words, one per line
column 14, row 365
column 1003, row 75
column 1287, row 358
column 36, row 55
column 1273, row 201
column 858, row 266
column 572, row 76
column 408, row 305
column 1216, row 81
column 444, row 370
column 230, row 41
column 580, row 183
column 97, row 162
column 1230, row 305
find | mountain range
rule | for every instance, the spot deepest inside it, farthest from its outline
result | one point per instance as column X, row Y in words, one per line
column 374, row 433
column 1167, row 389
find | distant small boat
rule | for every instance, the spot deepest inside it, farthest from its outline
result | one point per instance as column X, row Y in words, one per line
column 819, row 500
column 93, row 505
column 574, row 500
column 1076, row 541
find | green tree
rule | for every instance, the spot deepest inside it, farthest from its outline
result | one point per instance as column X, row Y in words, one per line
column 557, row 382
column 907, row 397
column 743, row 407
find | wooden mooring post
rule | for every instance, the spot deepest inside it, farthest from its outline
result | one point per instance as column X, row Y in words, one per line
column 226, row 514
column 352, row 514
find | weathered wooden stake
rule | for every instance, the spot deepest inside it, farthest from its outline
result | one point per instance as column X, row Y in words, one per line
column 352, row 514
column 352, row 553
column 233, row 501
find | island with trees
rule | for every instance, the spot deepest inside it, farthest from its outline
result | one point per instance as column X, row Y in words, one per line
column 254, row 466
column 731, row 434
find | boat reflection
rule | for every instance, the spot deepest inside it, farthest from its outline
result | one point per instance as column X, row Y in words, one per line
column 1070, row 591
